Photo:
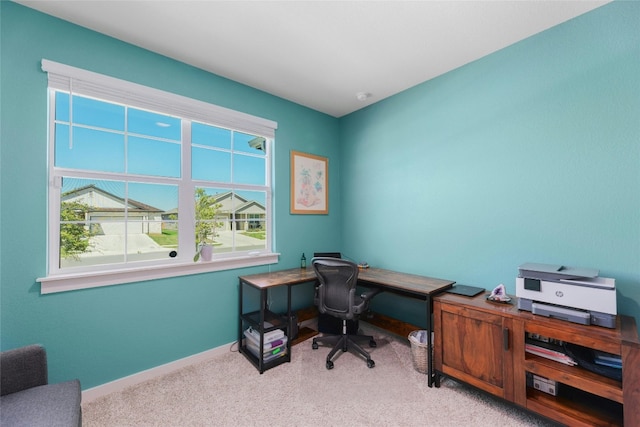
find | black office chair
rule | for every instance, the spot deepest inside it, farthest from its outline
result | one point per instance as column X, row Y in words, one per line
column 328, row 324
column 337, row 297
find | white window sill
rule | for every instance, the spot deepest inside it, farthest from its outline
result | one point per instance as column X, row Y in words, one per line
column 72, row 282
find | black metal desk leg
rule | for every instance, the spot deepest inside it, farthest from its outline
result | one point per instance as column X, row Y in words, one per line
column 289, row 329
column 429, row 344
column 263, row 308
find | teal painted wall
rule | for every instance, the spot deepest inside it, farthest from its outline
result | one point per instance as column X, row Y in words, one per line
column 531, row 154
column 99, row 335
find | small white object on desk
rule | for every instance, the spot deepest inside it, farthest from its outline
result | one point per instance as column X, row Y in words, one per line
column 499, row 294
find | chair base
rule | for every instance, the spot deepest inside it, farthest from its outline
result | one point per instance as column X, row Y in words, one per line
column 330, row 325
column 345, row 342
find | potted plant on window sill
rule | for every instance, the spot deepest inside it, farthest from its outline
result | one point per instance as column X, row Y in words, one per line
column 204, row 251
column 206, row 211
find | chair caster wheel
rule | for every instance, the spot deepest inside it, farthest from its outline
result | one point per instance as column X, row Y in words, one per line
column 329, row 364
column 314, row 345
column 372, row 344
column 371, row 363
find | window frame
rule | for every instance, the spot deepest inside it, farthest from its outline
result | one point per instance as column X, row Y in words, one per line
column 80, row 82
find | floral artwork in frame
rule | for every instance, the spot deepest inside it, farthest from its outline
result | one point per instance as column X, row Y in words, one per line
column 309, row 184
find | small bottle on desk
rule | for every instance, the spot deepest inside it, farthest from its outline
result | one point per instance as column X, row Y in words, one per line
column 303, row 261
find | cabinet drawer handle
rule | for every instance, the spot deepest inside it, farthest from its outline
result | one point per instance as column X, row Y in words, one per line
column 505, row 339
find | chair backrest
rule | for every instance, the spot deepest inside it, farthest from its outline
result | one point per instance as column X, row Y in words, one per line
column 336, row 293
column 327, row 255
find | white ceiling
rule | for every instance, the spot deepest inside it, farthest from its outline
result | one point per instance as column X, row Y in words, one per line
column 320, row 53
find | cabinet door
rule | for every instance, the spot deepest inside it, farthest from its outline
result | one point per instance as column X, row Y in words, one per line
column 474, row 346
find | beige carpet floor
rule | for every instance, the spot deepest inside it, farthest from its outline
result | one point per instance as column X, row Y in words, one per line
column 229, row 391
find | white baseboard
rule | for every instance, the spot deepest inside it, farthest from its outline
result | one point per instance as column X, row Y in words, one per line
column 120, row 384
column 93, row 393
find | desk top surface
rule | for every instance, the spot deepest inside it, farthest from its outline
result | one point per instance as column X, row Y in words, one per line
column 412, row 283
column 292, row 276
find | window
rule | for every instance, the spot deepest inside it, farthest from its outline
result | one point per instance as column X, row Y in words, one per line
column 142, row 181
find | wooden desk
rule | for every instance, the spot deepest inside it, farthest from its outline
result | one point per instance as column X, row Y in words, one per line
column 410, row 285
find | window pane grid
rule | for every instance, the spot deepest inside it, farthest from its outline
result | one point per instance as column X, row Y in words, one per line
column 128, row 140
column 111, row 229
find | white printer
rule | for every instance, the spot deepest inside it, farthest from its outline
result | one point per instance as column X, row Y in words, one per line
column 574, row 294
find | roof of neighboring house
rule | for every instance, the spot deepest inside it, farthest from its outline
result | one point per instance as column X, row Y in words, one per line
column 248, row 204
column 218, row 198
column 92, row 188
column 244, row 205
column 222, row 196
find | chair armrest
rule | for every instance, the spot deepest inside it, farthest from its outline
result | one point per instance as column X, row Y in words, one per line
column 23, row 368
column 369, row 293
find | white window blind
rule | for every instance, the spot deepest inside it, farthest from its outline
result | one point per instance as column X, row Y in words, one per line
column 76, row 80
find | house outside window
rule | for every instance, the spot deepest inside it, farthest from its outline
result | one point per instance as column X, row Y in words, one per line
column 141, row 179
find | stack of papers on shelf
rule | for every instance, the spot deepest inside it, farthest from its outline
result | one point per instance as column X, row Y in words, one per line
column 268, row 336
column 267, row 356
column 549, row 351
column 268, row 345
column 271, row 349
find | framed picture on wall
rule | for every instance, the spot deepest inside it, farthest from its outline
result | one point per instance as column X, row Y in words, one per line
column 309, row 184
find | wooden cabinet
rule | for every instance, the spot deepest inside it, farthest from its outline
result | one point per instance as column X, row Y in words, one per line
column 475, row 349
column 483, row 344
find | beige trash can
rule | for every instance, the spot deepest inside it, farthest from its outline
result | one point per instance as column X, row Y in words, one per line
column 419, row 351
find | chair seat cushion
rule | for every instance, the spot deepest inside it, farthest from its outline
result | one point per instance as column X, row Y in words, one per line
column 46, row 405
